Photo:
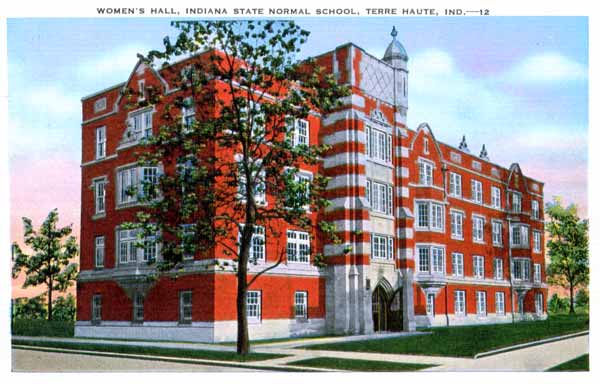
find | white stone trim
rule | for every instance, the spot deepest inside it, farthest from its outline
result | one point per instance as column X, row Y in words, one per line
column 405, row 254
column 352, row 225
column 353, row 99
column 345, row 136
column 347, row 202
column 344, row 158
column 338, row 249
column 405, row 233
column 347, row 180
column 96, row 161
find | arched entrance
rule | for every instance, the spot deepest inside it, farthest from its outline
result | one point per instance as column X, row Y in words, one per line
column 387, row 308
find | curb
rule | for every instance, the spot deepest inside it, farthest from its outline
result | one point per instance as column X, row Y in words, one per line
column 530, row 344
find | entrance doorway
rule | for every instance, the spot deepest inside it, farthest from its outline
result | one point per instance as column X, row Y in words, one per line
column 387, row 310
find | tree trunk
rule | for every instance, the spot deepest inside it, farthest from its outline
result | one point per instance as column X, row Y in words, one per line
column 50, row 301
column 243, row 343
column 572, row 306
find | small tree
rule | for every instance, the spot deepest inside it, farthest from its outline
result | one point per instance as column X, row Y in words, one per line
column 50, row 263
column 567, row 248
column 582, row 299
column 247, row 90
column 64, row 308
column 30, row 308
column 557, row 304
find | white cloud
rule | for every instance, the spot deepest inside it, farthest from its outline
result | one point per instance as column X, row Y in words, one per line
column 117, row 65
column 546, row 68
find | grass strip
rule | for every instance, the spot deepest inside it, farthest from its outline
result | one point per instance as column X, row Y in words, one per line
column 465, row 341
column 581, row 363
column 358, row 365
column 152, row 351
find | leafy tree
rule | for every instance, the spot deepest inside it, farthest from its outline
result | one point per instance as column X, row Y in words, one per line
column 567, row 248
column 30, row 308
column 248, row 89
column 557, row 304
column 582, row 299
column 50, row 263
column 64, row 308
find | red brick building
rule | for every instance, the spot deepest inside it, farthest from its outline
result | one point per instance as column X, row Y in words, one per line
column 437, row 235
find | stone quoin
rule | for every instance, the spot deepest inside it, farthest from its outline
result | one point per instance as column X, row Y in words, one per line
column 433, row 234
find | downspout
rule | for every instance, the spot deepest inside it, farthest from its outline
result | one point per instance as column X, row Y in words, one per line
column 510, row 262
column 447, row 317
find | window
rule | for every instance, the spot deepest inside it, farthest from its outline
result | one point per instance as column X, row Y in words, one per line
column 96, row 308
column 458, row 268
column 459, row 302
column 301, row 304
column 516, row 202
column 425, row 172
column 379, row 196
column 298, row 247
column 481, row 303
column 188, row 234
column 519, row 236
column 382, row 247
column 498, row 268
column 496, row 200
column 430, row 308
column 99, row 252
column 302, row 183
column 478, row 229
column 150, row 249
column 260, row 188
column 188, row 113
column 141, row 124
column 301, row 132
column 185, row 307
column 430, row 216
column 141, row 90
column 476, row 191
column 426, row 146
column 149, row 182
column 521, row 269
column 379, row 145
column 127, row 249
column 537, row 273
column 455, row 184
column 456, row 224
column 253, row 305
column 138, row 308
column 100, row 142
column 478, row 267
column 100, row 196
column 257, row 247
column 431, row 260
column 535, row 209
column 539, row 303
column 500, row 308
column 100, row 104
column 496, row 232
column 127, row 180
column 537, row 241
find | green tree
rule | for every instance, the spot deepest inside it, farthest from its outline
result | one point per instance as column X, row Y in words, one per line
column 557, row 304
column 50, row 264
column 567, row 248
column 582, row 299
column 64, row 308
column 30, row 308
column 248, row 90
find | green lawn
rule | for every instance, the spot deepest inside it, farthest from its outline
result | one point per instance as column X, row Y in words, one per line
column 23, row 327
column 358, row 365
column 466, row 341
column 581, row 363
column 150, row 351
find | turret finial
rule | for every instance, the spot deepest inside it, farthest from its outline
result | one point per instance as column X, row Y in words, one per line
column 463, row 145
column 394, row 32
column 484, row 154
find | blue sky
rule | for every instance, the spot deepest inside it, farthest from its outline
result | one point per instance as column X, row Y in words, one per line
column 517, row 84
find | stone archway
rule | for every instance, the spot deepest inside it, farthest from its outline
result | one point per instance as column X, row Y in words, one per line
column 387, row 307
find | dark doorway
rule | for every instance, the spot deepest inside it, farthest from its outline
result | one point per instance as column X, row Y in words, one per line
column 380, row 310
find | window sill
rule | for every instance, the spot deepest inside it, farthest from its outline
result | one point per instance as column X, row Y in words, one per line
column 384, row 163
column 301, row 319
column 99, row 216
column 498, row 245
column 479, row 242
column 457, row 238
column 184, row 323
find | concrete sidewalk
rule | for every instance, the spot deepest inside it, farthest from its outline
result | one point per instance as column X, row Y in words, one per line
column 535, row 358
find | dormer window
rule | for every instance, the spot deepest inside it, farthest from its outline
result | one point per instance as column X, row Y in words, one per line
column 425, row 172
column 140, row 124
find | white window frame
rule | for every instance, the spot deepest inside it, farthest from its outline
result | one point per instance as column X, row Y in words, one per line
column 301, row 304
column 100, row 142
column 519, row 232
column 537, row 273
column 460, row 303
column 500, row 303
column 188, row 113
column 379, row 144
column 298, row 247
column 537, row 241
column 100, row 196
column 425, row 172
column 127, row 178
column 138, row 307
column 300, row 137
column 185, row 306
column 498, row 268
column 517, row 202
column 141, row 90
column 455, row 184
column 140, row 123
column 380, row 197
column 457, row 220
column 497, row 232
column 96, row 308
column 430, row 304
column 521, row 269
column 254, row 305
column 478, row 267
column 458, row 264
column 434, row 214
column 260, row 187
column 478, row 228
column 382, row 247
column 481, row 303
column 476, row 191
column 99, row 251
column 100, row 104
column 258, row 249
column 128, row 251
column 496, row 198
column 186, row 231
column 431, row 259
column 535, row 209
column 539, row 303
